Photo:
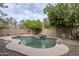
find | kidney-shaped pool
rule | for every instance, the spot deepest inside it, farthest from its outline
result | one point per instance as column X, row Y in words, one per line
column 37, row 42
column 37, row 46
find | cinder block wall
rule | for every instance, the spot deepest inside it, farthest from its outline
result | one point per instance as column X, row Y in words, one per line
column 51, row 32
column 4, row 32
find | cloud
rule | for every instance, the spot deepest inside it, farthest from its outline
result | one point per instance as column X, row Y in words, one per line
column 26, row 11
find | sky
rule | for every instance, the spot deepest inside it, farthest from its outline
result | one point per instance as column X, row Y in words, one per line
column 25, row 11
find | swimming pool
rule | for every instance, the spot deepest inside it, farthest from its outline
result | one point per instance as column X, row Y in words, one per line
column 36, row 42
column 33, row 46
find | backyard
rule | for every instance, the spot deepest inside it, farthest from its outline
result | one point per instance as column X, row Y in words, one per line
column 73, row 46
column 39, row 29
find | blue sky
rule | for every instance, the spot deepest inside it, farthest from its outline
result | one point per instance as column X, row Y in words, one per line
column 26, row 11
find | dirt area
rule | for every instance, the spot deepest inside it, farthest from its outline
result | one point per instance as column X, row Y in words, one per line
column 73, row 47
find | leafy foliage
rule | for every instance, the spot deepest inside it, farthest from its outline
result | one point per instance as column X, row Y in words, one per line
column 3, row 23
column 46, row 23
column 35, row 25
column 2, row 5
column 62, row 15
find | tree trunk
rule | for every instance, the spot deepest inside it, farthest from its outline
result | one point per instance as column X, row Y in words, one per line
column 64, row 32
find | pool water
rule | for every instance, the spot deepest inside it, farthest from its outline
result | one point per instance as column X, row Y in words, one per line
column 36, row 42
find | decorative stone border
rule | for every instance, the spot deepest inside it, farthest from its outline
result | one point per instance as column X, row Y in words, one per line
column 58, row 49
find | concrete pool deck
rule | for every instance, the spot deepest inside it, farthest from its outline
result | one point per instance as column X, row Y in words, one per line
column 58, row 49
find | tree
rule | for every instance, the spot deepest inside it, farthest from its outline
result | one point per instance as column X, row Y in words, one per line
column 15, row 23
column 46, row 23
column 2, row 5
column 22, row 23
column 34, row 25
column 3, row 23
column 10, row 20
column 62, row 16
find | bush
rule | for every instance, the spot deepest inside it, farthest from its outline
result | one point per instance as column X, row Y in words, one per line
column 35, row 25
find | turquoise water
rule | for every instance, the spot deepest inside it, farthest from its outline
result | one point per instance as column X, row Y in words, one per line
column 36, row 42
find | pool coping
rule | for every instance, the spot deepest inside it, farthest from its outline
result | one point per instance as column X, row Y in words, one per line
column 58, row 49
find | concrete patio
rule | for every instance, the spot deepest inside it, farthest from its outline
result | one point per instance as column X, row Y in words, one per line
column 6, row 52
column 73, row 49
column 59, row 49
